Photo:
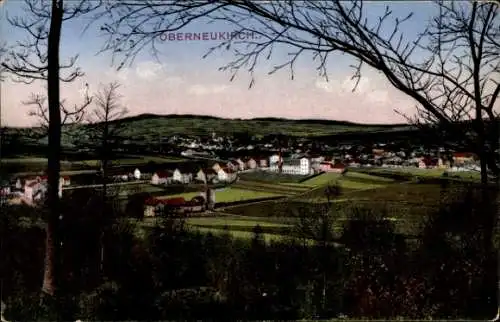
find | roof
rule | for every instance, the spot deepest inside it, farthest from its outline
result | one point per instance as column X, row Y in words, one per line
column 227, row 170
column 162, row 174
column 209, row 171
column 33, row 184
column 463, row 155
column 170, row 202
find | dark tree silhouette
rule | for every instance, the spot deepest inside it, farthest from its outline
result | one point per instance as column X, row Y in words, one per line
column 37, row 58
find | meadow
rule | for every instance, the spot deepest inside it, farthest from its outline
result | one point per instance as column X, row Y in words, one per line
column 407, row 203
column 27, row 164
column 278, row 218
column 229, row 194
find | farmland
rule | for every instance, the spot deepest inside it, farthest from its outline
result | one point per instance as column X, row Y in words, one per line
column 36, row 164
column 230, row 194
column 407, row 203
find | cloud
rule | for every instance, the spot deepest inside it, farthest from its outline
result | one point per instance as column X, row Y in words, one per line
column 362, row 86
column 149, row 70
column 206, row 89
column 378, row 96
column 326, row 86
column 121, row 75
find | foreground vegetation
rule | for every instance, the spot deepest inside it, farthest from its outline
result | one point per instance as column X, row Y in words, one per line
column 178, row 269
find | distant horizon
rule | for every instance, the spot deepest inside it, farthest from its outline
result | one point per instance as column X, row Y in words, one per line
column 233, row 118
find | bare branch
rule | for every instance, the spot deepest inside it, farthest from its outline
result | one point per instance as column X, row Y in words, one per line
column 450, row 68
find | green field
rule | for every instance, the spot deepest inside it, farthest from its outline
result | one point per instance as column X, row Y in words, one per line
column 229, row 195
column 36, row 164
column 423, row 173
column 270, row 177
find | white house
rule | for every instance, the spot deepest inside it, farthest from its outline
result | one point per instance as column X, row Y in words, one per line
column 273, row 159
column 251, row 163
column 180, row 177
column 222, row 175
column 137, row 174
column 241, row 165
column 177, row 176
column 200, row 176
column 187, row 177
column 297, row 167
column 305, row 166
column 225, row 175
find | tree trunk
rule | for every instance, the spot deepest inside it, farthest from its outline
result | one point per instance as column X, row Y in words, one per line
column 484, row 169
column 52, row 246
column 104, row 218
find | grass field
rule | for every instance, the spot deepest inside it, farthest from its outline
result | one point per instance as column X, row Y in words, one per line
column 282, row 189
column 36, row 164
column 270, row 177
column 230, row 194
column 424, row 173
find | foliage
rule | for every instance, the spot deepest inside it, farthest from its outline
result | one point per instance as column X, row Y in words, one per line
column 170, row 272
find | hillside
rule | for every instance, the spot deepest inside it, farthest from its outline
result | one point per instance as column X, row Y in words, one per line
column 146, row 125
column 150, row 128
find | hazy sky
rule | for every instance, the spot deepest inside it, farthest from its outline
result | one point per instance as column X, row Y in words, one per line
column 182, row 82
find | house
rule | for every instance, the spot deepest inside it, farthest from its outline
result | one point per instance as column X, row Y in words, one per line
column 188, row 153
column 326, row 166
column 241, row 164
column 460, row 158
column 159, row 177
column 428, row 163
column 187, row 178
column 422, row 164
column 177, row 176
column 180, row 177
column 263, row 162
column 232, row 165
column 5, row 190
column 355, row 163
column 210, row 174
column 226, row 175
column 216, row 167
column 66, row 181
column 36, row 191
column 338, row 168
column 300, row 166
column 252, row 164
column 18, row 185
column 156, row 206
column 274, row 159
column 317, row 158
column 201, row 176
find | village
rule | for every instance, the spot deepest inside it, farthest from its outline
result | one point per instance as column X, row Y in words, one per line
column 31, row 190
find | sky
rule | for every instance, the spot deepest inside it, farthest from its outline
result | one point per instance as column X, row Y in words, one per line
column 180, row 81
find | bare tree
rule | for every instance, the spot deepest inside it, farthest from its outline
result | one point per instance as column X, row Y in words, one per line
column 451, row 69
column 40, row 110
column 37, row 58
column 105, row 131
